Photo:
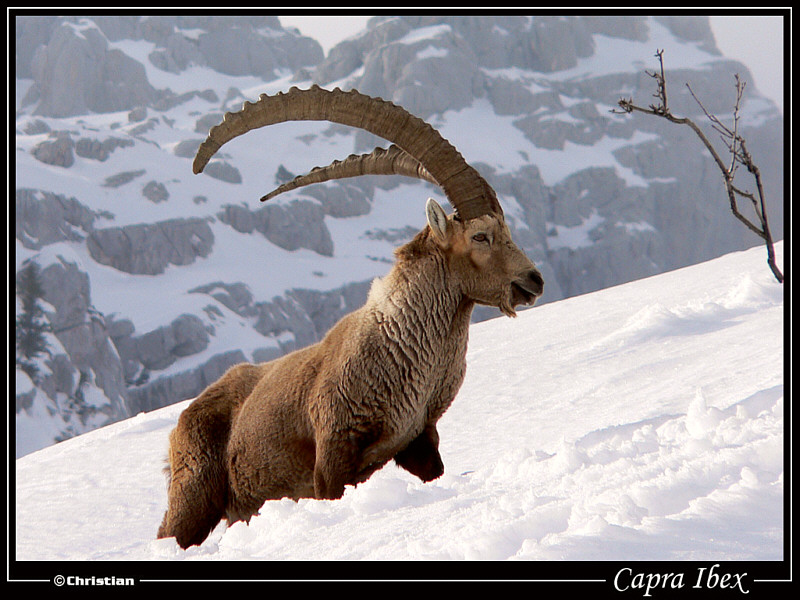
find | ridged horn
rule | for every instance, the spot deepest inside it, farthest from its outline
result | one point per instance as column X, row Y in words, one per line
column 381, row 161
column 466, row 190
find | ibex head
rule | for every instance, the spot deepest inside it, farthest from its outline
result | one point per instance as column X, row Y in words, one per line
column 487, row 265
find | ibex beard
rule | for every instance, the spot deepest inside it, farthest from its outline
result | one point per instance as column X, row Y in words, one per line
column 327, row 416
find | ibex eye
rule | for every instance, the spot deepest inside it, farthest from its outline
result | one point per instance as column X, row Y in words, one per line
column 480, row 237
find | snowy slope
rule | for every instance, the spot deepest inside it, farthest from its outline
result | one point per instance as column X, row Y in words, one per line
column 640, row 422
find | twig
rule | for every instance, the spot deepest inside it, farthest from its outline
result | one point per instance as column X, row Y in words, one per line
column 734, row 142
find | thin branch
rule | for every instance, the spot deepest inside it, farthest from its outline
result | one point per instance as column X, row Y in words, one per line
column 733, row 141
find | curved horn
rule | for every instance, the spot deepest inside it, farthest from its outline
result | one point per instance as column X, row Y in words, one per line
column 466, row 190
column 381, row 161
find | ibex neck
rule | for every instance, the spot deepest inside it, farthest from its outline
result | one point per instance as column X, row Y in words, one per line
column 418, row 298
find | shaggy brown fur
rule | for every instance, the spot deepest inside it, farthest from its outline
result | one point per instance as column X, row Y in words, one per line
column 327, row 416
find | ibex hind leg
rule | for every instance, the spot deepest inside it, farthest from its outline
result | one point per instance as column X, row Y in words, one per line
column 193, row 512
column 257, row 473
column 198, row 483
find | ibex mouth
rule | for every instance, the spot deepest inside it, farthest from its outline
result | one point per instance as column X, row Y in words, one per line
column 521, row 295
column 527, row 289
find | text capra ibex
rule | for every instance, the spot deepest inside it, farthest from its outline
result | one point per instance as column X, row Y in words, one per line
column 330, row 415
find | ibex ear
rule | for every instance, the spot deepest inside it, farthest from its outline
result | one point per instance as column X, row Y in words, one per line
column 437, row 219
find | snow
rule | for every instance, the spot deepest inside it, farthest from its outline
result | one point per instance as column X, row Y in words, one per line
column 190, row 79
column 482, row 136
column 639, row 422
column 618, row 55
column 422, row 34
column 431, row 51
column 557, row 165
column 579, row 236
column 574, row 237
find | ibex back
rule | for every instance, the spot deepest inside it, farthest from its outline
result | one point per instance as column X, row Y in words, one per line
column 327, row 416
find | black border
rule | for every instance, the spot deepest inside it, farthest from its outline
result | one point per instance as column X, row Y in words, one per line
column 591, row 577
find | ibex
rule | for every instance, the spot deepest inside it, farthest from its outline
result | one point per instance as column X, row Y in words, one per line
column 314, row 421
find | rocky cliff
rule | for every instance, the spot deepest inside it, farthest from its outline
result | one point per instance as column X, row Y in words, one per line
column 156, row 280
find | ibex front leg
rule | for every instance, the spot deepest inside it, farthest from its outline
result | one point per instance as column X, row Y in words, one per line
column 340, row 462
column 421, row 457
